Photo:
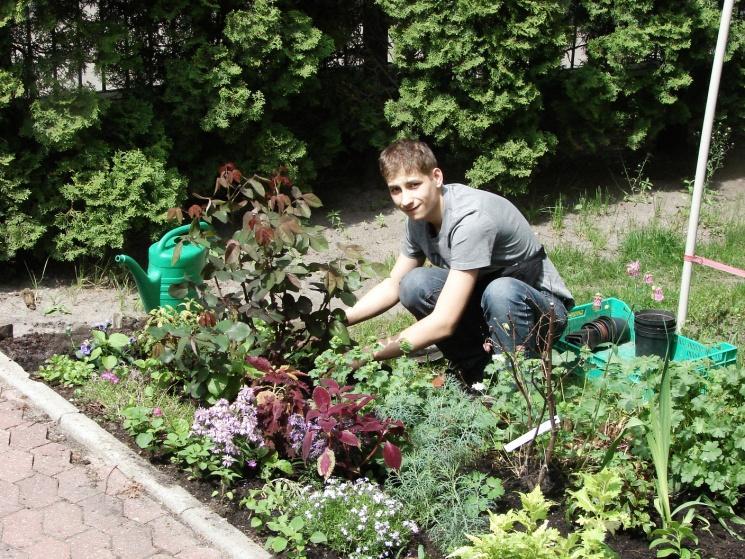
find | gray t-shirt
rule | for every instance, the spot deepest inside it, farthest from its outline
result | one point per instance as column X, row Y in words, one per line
column 480, row 230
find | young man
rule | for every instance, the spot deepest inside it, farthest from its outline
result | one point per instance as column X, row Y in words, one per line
column 490, row 277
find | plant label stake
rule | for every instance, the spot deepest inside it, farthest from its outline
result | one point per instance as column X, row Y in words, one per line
column 530, row 435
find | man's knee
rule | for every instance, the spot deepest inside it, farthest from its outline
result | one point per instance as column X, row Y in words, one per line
column 502, row 294
column 416, row 289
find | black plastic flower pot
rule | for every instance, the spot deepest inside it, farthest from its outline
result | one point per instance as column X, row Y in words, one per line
column 654, row 331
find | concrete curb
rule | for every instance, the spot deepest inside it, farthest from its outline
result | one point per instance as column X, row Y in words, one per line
column 106, row 448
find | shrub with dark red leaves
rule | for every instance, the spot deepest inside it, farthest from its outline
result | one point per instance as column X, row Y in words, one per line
column 280, row 395
column 351, row 437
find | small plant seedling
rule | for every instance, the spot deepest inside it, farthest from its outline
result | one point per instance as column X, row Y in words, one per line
column 56, row 308
column 638, row 183
column 558, row 214
column 335, row 220
column 380, row 220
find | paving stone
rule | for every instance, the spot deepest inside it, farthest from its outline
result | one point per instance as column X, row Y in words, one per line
column 75, row 484
column 8, row 498
column 102, row 511
column 116, row 482
column 15, row 465
column 49, row 548
column 38, row 491
column 7, row 552
column 23, row 528
column 4, row 440
column 28, row 436
column 199, row 553
column 51, row 458
column 132, row 540
column 142, row 509
column 170, row 535
column 10, row 418
column 63, row 519
column 91, row 544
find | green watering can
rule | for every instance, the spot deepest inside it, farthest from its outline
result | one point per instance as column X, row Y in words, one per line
column 162, row 273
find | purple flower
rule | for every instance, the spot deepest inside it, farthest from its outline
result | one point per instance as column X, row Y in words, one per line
column 227, row 425
column 648, row 278
column 86, row 348
column 110, row 377
column 103, row 325
column 157, row 412
column 657, row 294
column 633, row 268
column 298, row 427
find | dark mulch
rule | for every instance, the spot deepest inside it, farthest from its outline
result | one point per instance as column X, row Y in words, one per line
column 32, row 350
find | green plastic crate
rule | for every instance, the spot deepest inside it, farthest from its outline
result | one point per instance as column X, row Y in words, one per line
column 686, row 349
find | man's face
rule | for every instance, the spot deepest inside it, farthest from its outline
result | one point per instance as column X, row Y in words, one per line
column 418, row 195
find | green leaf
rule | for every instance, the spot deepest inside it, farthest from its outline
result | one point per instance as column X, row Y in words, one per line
column 177, row 252
column 277, row 544
column 109, row 362
column 239, row 331
column 118, row 340
column 318, row 243
column 256, row 522
column 318, row 537
column 143, row 440
column 216, row 385
column 297, row 523
column 312, row 200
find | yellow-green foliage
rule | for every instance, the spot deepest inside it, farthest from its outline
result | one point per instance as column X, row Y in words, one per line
column 130, row 191
column 525, row 534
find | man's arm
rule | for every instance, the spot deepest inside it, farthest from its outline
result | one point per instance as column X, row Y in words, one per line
column 444, row 318
column 384, row 295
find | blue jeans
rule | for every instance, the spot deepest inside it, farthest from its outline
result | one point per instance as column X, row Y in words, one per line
column 505, row 310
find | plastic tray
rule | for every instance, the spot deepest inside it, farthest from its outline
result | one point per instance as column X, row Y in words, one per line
column 711, row 355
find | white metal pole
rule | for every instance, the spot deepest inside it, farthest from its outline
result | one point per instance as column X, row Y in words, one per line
column 703, row 155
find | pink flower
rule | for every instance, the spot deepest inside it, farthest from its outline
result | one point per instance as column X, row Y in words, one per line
column 110, row 377
column 157, row 412
column 648, row 278
column 633, row 268
column 657, row 294
column 597, row 301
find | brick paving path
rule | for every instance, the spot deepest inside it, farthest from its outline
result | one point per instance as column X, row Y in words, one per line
column 56, row 503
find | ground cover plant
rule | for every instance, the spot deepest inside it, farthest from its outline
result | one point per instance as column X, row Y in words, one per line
column 255, row 390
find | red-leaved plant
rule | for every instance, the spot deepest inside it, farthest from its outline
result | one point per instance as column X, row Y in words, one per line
column 280, row 394
column 351, row 438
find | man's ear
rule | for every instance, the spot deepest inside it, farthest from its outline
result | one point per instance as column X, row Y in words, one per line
column 437, row 176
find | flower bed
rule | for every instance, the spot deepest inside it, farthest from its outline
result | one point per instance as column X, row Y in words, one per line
column 260, row 395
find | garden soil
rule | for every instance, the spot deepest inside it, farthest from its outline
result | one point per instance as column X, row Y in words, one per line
column 64, row 310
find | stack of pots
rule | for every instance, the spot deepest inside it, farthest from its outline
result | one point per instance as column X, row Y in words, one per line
column 655, row 333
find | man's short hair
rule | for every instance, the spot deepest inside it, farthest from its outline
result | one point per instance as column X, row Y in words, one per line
column 406, row 155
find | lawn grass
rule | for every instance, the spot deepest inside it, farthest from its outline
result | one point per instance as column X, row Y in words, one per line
column 134, row 392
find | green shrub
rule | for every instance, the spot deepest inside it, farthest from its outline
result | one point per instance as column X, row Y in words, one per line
column 64, row 370
column 448, row 432
column 127, row 194
column 470, row 80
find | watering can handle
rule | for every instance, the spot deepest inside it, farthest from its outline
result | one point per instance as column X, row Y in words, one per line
column 169, row 239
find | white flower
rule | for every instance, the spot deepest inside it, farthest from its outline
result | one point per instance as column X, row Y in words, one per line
column 478, row 386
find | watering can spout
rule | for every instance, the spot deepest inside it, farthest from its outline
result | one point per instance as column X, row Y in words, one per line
column 148, row 287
